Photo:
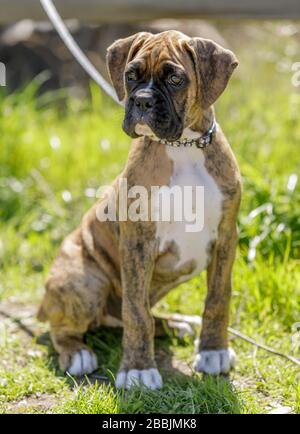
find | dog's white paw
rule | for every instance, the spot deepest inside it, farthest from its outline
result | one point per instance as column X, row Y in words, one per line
column 150, row 378
column 82, row 362
column 215, row 362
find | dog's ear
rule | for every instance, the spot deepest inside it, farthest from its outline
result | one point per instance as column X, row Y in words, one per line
column 117, row 56
column 213, row 65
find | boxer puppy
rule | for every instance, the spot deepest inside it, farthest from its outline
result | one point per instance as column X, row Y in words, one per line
column 111, row 272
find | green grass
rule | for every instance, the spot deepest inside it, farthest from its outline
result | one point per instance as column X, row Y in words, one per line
column 55, row 152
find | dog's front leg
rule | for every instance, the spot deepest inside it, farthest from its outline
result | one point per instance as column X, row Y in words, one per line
column 214, row 357
column 137, row 249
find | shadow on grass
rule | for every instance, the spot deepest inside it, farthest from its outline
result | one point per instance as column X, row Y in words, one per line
column 183, row 391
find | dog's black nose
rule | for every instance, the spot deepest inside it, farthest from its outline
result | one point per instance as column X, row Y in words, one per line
column 144, row 101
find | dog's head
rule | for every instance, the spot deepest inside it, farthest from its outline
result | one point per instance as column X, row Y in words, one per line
column 166, row 80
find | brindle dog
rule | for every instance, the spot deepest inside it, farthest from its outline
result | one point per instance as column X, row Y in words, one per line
column 113, row 272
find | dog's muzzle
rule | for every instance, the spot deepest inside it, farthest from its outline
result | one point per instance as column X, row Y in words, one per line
column 151, row 107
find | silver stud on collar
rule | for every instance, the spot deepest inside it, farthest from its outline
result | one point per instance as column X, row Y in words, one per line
column 200, row 143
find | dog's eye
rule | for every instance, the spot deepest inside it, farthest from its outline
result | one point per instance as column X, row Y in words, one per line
column 131, row 76
column 175, row 80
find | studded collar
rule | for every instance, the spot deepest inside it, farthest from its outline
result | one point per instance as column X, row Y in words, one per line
column 200, row 142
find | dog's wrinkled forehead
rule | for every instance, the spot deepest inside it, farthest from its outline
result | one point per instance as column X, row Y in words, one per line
column 157, row 50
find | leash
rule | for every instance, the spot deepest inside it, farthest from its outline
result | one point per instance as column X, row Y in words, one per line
column 74, row 48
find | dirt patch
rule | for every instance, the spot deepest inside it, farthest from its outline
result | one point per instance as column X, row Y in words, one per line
column 33, row 404
column 20, row 318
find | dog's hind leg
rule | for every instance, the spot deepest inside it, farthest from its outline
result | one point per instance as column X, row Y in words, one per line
column 75, row 300
column 68, row 318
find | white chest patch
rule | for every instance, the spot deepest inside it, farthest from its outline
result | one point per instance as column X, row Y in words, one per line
column 189, row 171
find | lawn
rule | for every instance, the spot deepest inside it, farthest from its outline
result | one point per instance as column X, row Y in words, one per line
column 55, row 151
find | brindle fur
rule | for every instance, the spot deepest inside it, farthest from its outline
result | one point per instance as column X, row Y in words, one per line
column 111, row 273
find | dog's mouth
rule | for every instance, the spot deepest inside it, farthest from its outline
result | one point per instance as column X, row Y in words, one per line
column 142, row 129
column 160, row 121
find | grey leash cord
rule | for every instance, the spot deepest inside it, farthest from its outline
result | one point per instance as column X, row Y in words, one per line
column 79, row 55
